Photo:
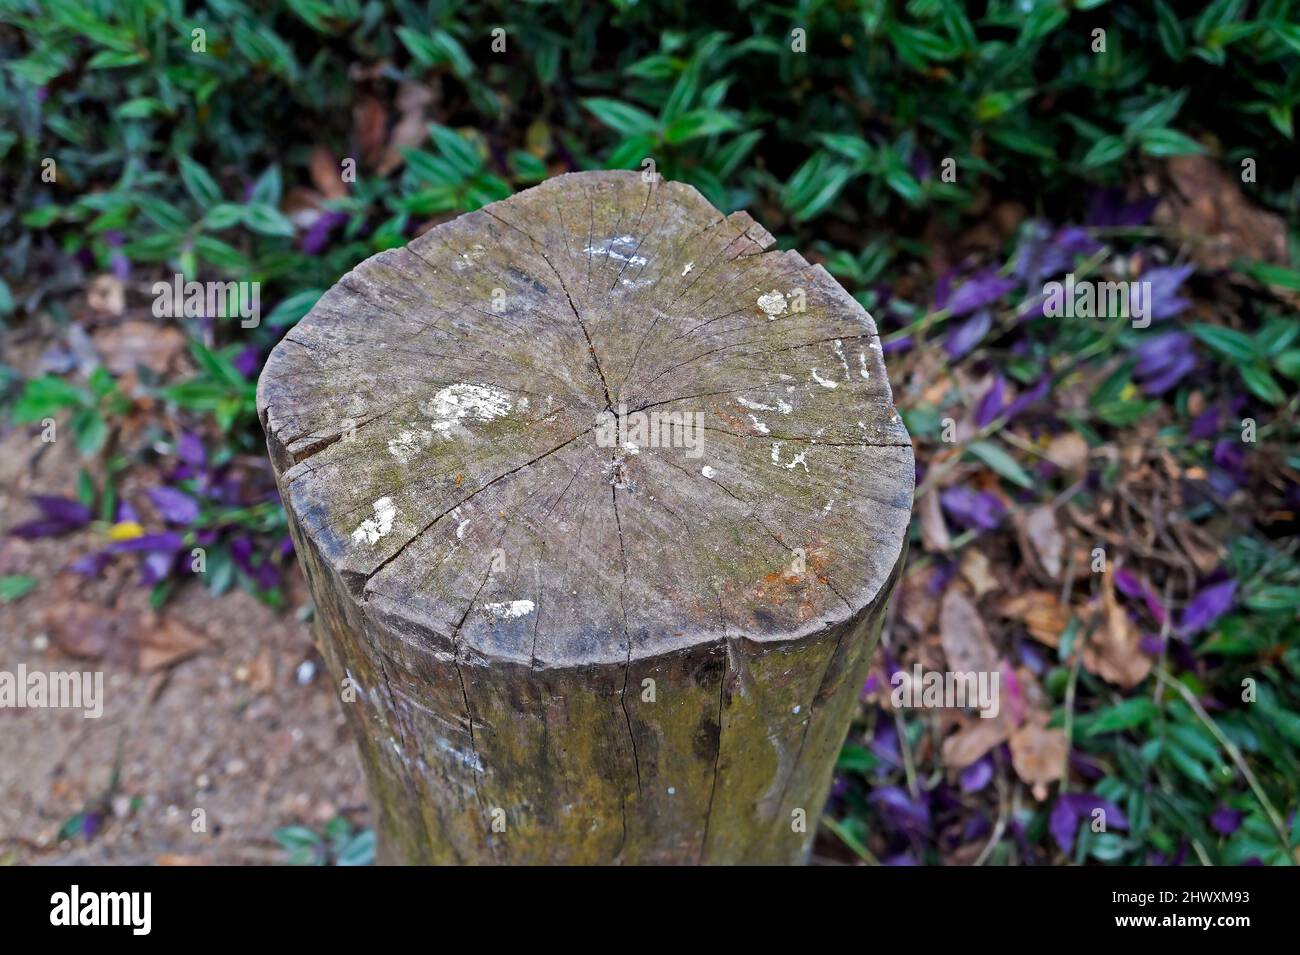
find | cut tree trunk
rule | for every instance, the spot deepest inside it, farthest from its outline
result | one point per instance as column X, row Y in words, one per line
column 566, row 625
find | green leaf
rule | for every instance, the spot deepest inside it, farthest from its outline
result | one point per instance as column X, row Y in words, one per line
column 89, row 431
column 996, row 457
column 698, row 123
column 198, row 183
column 457, row 150
column 1124, row 716
column 1105, row 151
column 1277, row 275
column 293, row 308
column 1288, row 363
column 1236, row 345
column 44, row 396
column 15, row 587
column 526, row 167
column 623, row 118
column 1262, row 384
column 1168, row 142
column 359, row 850
column 267, row 220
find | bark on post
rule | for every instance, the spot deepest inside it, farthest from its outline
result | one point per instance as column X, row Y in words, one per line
column 567, row 643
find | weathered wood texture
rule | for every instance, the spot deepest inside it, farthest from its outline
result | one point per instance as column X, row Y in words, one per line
column 500, row 586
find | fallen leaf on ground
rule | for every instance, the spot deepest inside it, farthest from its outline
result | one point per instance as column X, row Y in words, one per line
column 131, row 344
column 1069, row 452
column 934, row 530
column 1208, row 202
column 167, row 643
column 917, row 603
column 107, row 293
column 978, row 572
column 1039, row 529
column 1112, row 651
column 1038, row 755
column 975, row 738
column 966, row 644
column 326, row 173
column 1041, row 613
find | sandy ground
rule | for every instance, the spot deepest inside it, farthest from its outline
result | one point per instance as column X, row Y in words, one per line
column 236, row 728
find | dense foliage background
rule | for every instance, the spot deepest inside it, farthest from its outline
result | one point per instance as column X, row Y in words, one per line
column 1167, row 154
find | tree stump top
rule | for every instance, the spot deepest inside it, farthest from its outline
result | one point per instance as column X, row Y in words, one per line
column 446, row 422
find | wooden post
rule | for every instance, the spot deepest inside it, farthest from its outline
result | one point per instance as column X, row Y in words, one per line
column 600, row 502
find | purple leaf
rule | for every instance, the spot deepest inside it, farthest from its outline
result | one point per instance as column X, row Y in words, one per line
column 248, row 361
column 92, row 564
column 977, row 775
column 972, row 508
column 981, row 289
column 176, row 507
column 59, row 515
column 1165, row 283
column 1109, row 208
column 968, row 334
column 190, row 450
column 1209, row 604
column 1029, row 398
column 168, row 541
column 1064, row 823
column 991, row 402
column 1225, row 820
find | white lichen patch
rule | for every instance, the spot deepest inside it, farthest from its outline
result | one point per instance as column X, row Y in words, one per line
column 708, row 472
column 862, row 365
column 463, row 401
column 822, row 381
column 773, row 303
column 782, row 406
column 799, row 460
column 838, row 346
column 759, row 426
column 689, row 266
column 623, row 248
column 796, row 461
column 373, row 528
column 407, row 445
column 509, row 609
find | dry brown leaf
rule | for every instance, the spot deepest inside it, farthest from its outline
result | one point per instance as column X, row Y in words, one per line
column 976, row 737
column 412, row 128
column 107, row 294
column 917, row 603
column 966, row 644
column 1041, row 531
column 127, row 346
column 1201, row 548
column 326, row 173
column 1069, row 452
column 167, row 643
column 1038, row 755
column 369, row 126
column 934, row 529
column 1209, row 203
column 978, row 572
column 89, row 632
column 1041, row 613
column 1113, row 651
column 261, row 673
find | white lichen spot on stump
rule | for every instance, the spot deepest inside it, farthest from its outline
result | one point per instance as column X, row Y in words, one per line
column 373, row 528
